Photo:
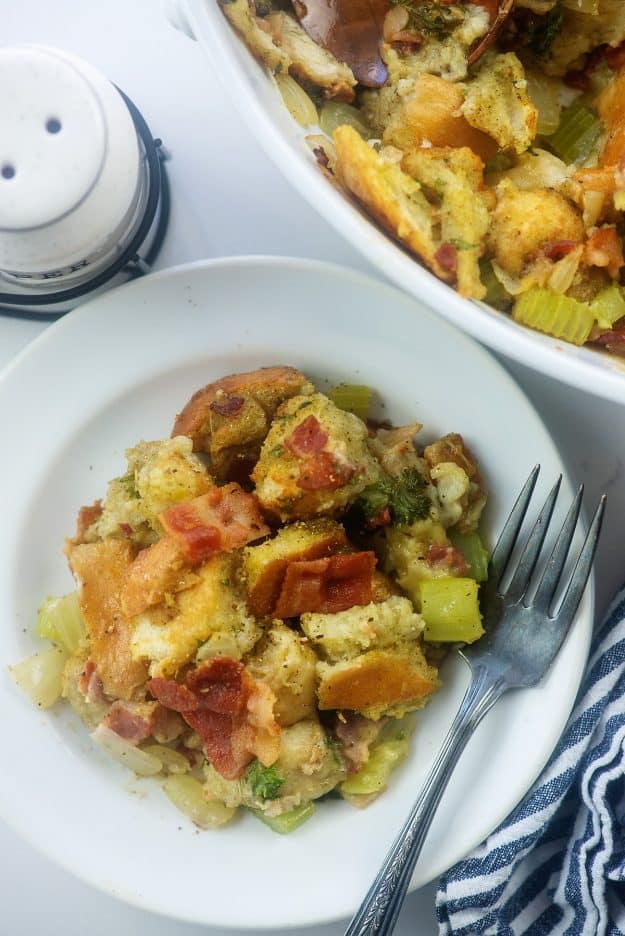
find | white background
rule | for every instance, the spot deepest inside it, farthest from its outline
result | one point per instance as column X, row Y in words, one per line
column 229, row 199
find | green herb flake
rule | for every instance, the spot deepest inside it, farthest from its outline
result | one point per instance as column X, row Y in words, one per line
column 276, row 451
column 543, row 32
column 462, row 244
column 264, row 782
column 405, row 496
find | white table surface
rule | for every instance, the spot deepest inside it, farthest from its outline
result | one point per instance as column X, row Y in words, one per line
column 229, row 199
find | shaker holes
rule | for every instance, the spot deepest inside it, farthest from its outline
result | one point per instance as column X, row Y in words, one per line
column 7, row 171
column 53, row 125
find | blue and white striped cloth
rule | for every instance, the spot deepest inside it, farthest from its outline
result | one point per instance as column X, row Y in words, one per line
column 557, row 864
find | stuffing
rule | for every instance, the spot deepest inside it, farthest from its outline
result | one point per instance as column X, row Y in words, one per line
column 264, row 566
column 395, row 449
column 99, row 570
column 497, row 103
column 406, row 554
column 160, row 474
column 314, row 461
column 461, row 501
column 390, row 195
column 454, row 179
column 286, row 663
column 391, row 681
column 364, row 627
column 242, row 16
column 307, row 767
column 427, row 110
column 525, row 222
column 361, row 647
column 446, row 56
column 229, row 419
column 310, row 62
column 206, row 620
column 582, row 32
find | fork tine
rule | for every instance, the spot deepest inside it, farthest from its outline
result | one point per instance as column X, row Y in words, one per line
column 505, row 543
column 555, row 564
column 527, row 561
column 572, row 596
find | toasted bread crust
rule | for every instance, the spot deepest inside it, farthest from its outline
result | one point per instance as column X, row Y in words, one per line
column 100, row 569
column 229, row 419
column 377, row 679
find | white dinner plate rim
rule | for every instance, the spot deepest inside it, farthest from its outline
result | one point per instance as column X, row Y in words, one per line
column 50, row 336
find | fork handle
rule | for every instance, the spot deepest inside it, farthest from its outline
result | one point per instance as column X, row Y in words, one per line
column 380, row 908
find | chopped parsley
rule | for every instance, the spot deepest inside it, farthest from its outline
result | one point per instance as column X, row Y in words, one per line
column 264, row 781
column 462, row 244
column 431, row 17
column 543, row 31
column 405, row 497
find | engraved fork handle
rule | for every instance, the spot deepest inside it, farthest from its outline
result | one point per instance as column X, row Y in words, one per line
column 380, row 908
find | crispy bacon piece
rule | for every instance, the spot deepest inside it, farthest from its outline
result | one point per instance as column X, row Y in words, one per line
column 355, row 734
column 447, row 256
column 326, row 586
column 91, row 686
column 86, row 517
column 321, row 472
column 556, row 250
column 219, row 521
column 156, row 570
column 449, row 558
column 227, row 406
column 229, row 710
column 603, row 249
column 133, row 721
column 308, row 438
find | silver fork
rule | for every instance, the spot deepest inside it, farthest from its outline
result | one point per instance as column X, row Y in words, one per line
column 523, row 636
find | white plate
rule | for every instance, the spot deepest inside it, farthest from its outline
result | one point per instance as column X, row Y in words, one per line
column 256, row 98
column 118, row 370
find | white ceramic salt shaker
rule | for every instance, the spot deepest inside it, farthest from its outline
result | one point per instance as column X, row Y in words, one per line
column 73, row 175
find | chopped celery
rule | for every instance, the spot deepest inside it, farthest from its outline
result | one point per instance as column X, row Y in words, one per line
column 373, row 776
column 496, row 293
column 451, row 610
column 556, row 315
column 40, row 676
column 288, row 821
column 476, row 557
column 60, row 620
column 577, row 133
column 608, row 306
column 355, row 398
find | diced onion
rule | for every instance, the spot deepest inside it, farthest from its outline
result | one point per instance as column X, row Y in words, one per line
column 60, row 620
column 336, row 114
column 40, row 676
column 299, row 105
column 563, row 272
column 121, row 750
column 187, row 794
column 545, row 94
column 173, row 762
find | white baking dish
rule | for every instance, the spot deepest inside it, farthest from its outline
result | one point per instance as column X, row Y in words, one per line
column 253, row 92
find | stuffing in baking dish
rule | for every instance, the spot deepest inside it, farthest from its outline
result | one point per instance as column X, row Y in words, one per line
column 263, row 599
column 486, row 136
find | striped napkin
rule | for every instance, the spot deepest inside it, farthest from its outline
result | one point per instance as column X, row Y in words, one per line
column 557, row 864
